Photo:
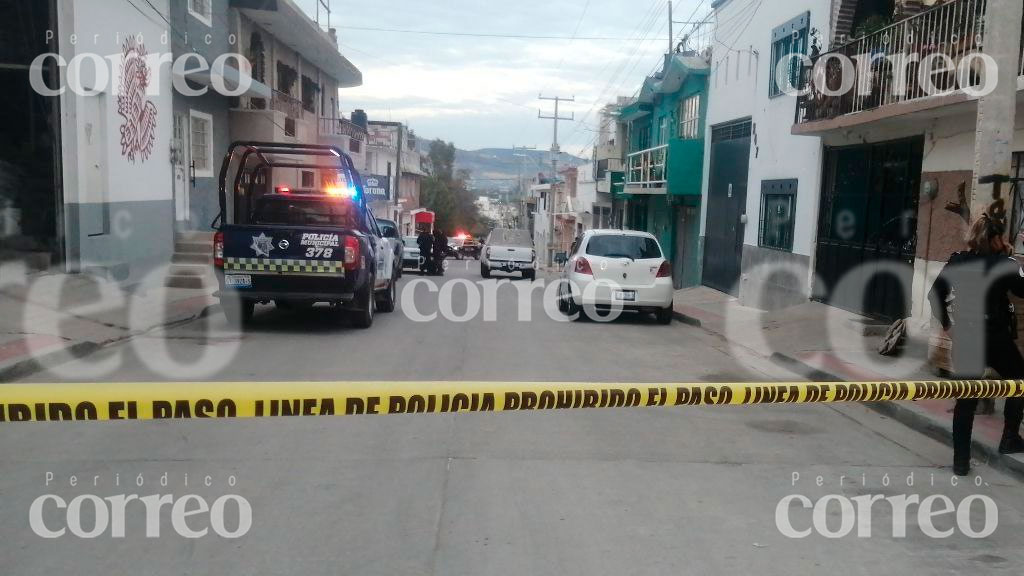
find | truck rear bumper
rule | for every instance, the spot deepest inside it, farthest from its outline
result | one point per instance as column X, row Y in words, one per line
column 290, row 296
column 296, row 288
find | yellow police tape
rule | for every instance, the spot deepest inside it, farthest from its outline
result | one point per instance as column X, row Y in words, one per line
column 171, row 400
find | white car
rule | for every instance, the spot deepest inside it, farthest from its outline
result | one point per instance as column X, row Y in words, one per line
column 617, row 269
column 509, row 251
column 411, row 254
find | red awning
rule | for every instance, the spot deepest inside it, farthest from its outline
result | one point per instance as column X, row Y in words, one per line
column 425, row 218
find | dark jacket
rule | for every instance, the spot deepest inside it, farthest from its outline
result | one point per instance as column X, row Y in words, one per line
column 972, row 292
column 425, row 242
column 440, row 245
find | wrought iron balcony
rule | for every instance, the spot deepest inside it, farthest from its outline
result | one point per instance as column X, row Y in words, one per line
column 648, row 168
column 342, row 127
column 289, row 105
column 888, row 66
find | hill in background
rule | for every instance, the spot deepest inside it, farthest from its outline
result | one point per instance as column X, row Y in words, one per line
column 499, row 169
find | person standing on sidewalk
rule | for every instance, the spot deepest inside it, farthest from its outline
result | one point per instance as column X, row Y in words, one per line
column 971, row 300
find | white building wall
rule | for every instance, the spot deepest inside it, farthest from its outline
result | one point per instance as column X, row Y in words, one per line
column 739, row 89
column 586, row 195
column 118, row 196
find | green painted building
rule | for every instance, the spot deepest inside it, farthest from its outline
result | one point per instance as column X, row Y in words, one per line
column 664, row 161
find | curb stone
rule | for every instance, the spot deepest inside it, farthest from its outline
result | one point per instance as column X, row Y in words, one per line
column 79, row 350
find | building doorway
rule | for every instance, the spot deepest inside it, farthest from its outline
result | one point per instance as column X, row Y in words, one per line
column 31, row 197
column 867, row 231
column 727, row 202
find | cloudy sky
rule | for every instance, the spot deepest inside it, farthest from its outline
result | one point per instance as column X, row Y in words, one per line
column 482, row 91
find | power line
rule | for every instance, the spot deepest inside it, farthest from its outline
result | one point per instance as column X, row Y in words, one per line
column 650, row 19
column 647, row 20
column 575, row 32
column 491, row 34
column 695, row 25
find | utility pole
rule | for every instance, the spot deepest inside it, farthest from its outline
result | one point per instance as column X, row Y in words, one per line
column 555, row 149
column 522, row 192
column 398, row 170
column 671, row 29
column 997, row 112
column 326, row 5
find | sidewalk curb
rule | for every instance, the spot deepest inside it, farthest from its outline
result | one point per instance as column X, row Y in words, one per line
column 982, row 452
column 689, row 321
column 79, row 350
column 27, row 367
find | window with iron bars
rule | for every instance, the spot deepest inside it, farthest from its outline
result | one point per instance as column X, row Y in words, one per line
column 788, row 41
column 778, row 203
column 689, row 118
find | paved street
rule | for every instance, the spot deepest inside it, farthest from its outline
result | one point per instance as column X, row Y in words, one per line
column 659, row 491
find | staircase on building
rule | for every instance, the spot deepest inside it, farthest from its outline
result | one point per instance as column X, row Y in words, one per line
column 192, row 263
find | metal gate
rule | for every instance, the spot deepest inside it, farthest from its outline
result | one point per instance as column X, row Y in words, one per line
column 867, row 231
column 727, row 201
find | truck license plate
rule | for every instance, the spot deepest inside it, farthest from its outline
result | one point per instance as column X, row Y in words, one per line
column 238, row 280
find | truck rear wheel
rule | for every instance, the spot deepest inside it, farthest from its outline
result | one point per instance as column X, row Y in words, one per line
column 386, row 299
column 363, row 317
column 238, row 311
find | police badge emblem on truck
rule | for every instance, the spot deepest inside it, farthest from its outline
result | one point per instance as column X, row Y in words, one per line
column 262, row 245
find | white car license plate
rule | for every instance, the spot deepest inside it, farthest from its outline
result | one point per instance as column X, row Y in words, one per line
column 238, row 280
column 625, row 295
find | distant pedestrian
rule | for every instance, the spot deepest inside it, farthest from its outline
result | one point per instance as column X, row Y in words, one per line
column 971, row 300
column 440, row 251
column 426, row 244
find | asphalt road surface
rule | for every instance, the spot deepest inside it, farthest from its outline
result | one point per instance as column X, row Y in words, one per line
column 650, row 491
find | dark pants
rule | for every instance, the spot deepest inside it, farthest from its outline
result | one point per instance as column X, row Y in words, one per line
column 970, row 358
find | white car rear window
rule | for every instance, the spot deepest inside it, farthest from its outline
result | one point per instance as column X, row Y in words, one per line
column 632, row 247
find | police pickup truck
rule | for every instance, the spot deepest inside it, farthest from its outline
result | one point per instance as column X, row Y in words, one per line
column 294, row 229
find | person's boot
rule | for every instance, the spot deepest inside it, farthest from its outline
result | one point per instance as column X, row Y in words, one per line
column 1011, row 444
column 961, row 468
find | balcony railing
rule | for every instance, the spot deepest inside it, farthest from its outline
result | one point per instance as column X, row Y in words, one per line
column 342, row 127
column 289, row 105
column 647, row 168
column 885, row 67
column 279, row 101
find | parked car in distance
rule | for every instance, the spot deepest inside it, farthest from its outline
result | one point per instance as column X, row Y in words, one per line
column 611, row 269
column 394, row 244
column 471, row 248
column 410, row 254
column 509, row 251
column 455, row 248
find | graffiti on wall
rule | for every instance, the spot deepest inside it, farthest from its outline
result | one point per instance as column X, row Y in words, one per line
column 138, row 128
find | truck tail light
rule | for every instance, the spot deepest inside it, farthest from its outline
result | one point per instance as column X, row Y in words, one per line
column 352, row 254
column 583, row 267
column 218, row 250
column 665, row 271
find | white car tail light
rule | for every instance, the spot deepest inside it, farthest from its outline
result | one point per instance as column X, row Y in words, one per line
column 583, row 267
column 666, row 270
